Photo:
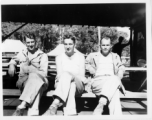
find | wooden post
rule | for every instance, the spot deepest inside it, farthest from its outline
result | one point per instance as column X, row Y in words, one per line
column 3, row 38
column 62, row 33
column 131, row 50
column 131, row 45
column 99, row 37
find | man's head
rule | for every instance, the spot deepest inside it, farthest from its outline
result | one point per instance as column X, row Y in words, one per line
column 105, row 45
column 69, row 44
column 30, row 42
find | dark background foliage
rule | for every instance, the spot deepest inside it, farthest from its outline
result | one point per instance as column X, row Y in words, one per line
column 49, row 36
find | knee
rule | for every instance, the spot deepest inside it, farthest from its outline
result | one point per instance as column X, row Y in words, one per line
column 66, row 74
column 32, row 75
column 116, row 79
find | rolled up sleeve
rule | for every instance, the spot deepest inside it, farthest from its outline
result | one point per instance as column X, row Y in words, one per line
column 16, row 59
column 121, row 68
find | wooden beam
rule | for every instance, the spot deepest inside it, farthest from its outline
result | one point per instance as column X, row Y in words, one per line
column 129, row 94
column 99, row 37
column 13, row 32
column 135, row 69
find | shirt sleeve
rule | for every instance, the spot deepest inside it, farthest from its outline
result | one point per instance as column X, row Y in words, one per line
column 121, row 67
column 16, row 59
column 82, row 66
column 82, row 70
column 58, row 65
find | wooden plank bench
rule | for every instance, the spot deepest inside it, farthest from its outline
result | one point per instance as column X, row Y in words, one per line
column 52, row 72
column 129, row 95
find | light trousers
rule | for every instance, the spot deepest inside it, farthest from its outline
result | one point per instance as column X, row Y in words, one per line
column 32, row 93
column 115, row 104
column 108, row 86
column 67, row 86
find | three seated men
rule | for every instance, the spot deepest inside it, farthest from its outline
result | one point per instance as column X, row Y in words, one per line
column 104, row 65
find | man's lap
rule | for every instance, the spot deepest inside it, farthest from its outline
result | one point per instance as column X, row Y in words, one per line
column 74, row 80
column 99, row 82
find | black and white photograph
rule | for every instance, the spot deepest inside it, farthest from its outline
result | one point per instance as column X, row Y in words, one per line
column 76, row 59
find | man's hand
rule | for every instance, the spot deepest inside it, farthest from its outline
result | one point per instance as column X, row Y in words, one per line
column 25, row 68
column 11, row 70
column 120, row 74
column 122, row 89
column 88, row 84
column 92, row 71
column 19, row 84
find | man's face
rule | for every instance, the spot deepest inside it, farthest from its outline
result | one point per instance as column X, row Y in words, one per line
column 105, row 46
column 30, row 43
column 69, row 46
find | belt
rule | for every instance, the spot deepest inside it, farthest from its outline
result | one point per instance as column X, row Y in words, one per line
column 102, row 75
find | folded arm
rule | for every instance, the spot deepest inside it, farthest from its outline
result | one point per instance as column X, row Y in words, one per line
column 58, row 66
column 12, row 64
column 43, row 69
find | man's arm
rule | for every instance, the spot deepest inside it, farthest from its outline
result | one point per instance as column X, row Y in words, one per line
column 12, row 64
column 82, row 70
column 121, row 70
column 82, row 66
column 42, row 69
column 58, row 65
column 88, row 65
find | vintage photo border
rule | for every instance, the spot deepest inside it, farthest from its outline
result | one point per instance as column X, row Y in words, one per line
column 149, row 59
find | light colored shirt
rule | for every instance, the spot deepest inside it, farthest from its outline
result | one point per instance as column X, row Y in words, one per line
column 39, row 62
column 105, row 66
column 71, row 64
column 74, row 64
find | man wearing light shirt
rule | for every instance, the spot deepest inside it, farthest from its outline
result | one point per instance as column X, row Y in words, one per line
column 70, row 79
column 32, row 76
column 107, row 70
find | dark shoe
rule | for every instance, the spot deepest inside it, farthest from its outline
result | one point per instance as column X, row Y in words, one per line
column 99, row 109
column 18, row 112
column 50, row 111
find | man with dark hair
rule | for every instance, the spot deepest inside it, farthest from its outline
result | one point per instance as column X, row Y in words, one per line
column 32, row 76
column 108, row 71
column 70, row 78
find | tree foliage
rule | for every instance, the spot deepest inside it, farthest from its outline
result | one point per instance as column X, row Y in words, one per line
column 48, row 35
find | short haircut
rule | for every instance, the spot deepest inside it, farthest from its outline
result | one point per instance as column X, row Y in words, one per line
column 70, row 36
column 29, row 35
column 106, row 37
